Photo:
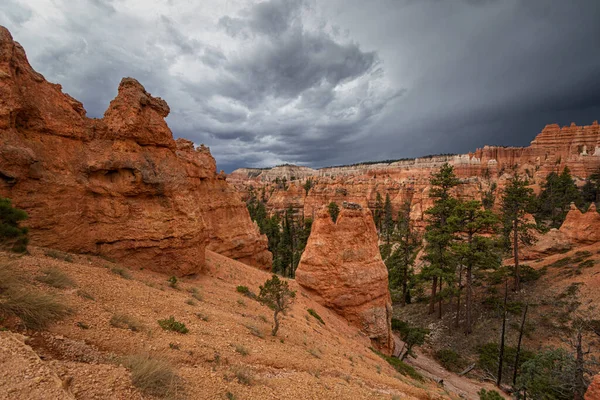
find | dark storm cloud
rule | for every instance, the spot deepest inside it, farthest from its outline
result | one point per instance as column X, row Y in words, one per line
column 328, row 82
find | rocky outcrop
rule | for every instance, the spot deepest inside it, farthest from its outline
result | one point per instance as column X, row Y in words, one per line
column 593, row 391
column 341, row 268
column 582, row 228
column 576, row 147
column 119, row 186
column 552, row 242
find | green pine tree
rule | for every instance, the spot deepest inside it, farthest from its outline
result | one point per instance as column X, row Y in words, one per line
column 517, row 199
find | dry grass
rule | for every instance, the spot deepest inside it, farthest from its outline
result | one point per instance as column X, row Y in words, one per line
column 56, row 278
column 124, row 321
column 154, row 376
column 36, row 310
column 122, row 272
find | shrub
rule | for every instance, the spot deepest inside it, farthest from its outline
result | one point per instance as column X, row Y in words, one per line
column 587, row 264
column 12, row 236
column 317, row 316
column 255, row 331
column 450, row 360
column 334, row 211
column 246, row 292
column 241, row 350
column 59, row 255
column 489, row 395
column 36, row 310
column 55, row 278
column 123, row 273
column 244, row 376
column 195, row 293
column 172, row 282
column 170, row 324
column 124, row 321
column 563, row 262
column 411, row 336
column 401, row 366
column 153, row 376
column 84, row 294
column 488, row 359
column 276, row 294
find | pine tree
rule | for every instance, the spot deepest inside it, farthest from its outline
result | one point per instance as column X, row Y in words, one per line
column 334, row 210
column 378, row 212
column 558, row 192
column 388, row 220
column 12, row 236
column 472, row 248
column 439, row 232
column 276, row 294
column 401, row 262
column 517, row 198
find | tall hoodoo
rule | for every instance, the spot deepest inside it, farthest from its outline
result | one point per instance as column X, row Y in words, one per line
column 119, row 186
column 342, row 269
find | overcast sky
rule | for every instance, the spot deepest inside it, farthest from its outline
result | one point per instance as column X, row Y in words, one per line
column 327, row 82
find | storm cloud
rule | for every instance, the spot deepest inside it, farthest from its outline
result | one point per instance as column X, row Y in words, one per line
column 319, row 82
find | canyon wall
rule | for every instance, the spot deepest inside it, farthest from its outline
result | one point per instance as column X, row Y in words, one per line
column 341, row 268
column 119, row 186
column 576, row 147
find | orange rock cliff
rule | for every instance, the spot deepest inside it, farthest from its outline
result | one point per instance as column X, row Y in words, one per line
column 119, row 186
column 575, row 147
column 341, row 268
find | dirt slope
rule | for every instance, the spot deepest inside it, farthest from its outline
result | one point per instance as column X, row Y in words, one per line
column 80, row 357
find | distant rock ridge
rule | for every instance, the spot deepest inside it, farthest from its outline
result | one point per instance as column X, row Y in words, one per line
column 118, row 186
column 341, row 268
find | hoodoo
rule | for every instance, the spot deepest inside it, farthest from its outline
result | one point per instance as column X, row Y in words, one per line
column 342, row 269
column 119, row 186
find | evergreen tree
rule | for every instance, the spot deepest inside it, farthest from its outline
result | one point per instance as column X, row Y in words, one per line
column 12, row 236
column 472, row 248
column 378, row 212
column 439, row 232
column 516, row 200
column 388, row 220
column 558, row 192
column 334, row 210
column 308, row 185
column 276, row 294
column 401, row 261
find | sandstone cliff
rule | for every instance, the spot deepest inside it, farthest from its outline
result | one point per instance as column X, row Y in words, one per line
column 119, row 186
column 582, row 228
column 576, row 147
column 341, row 268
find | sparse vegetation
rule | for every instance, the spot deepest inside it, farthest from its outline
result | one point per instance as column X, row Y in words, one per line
column 153, row 376
column 170, row 324
column 173, row 282
column 317, row 316
column 12, row 236
column 255, row 331
column 450, row 360
column 276, row 294
column 241, row 350
column 124, row 321
column 334, row 211
column 195, row 293
column 36, row 310
column 122, row 272
column 85, row 294
column 59, row 255
column 401, row 366
column 55, row 278
column 244, row 376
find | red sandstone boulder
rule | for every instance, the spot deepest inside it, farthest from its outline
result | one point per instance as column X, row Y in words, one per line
column 119, row 186
column 552, row 242
column 593, row 391
column 582, row 228
column 342, row 269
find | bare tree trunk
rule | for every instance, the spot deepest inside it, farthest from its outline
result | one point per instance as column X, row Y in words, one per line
column 457, row 321
column 519, row 343
column 405, row 276
column 469, row 317
column 516, row 250
column 440, row 297
column 433, row 295
column 579, row 369
column 276, row 327
column 501, row 352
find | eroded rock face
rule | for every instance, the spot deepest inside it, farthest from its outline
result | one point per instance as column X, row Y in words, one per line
column 341, row 268
column 119, row 186
column 582, row 228
column 593, row 391
column 552, row 242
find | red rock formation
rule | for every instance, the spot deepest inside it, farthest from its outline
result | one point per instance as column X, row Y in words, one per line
column 582, row 228
column 553, row 149
column 593, row 391
column 341, row 268
column 552, row 242
column 119, row 186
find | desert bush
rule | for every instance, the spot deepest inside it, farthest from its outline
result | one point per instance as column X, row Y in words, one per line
column 246, row 292
column 55, row 278
column 244, row 376
column 12, row 236
column 401, row 366
column 317, row 316
column 563, row 262
column 488, row 359
column 124, row 321
column 84, row 294
column 255, row 331
column 36, row 310
column 450, row 360
column 195, row 293
column 173, row 282
column 241, row 350
column 489, row 395
column 122, row 272
column 59, row 255
column 170, row 324
column 153, row 376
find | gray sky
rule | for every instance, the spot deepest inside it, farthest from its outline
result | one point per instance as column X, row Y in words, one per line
column 327, row 82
